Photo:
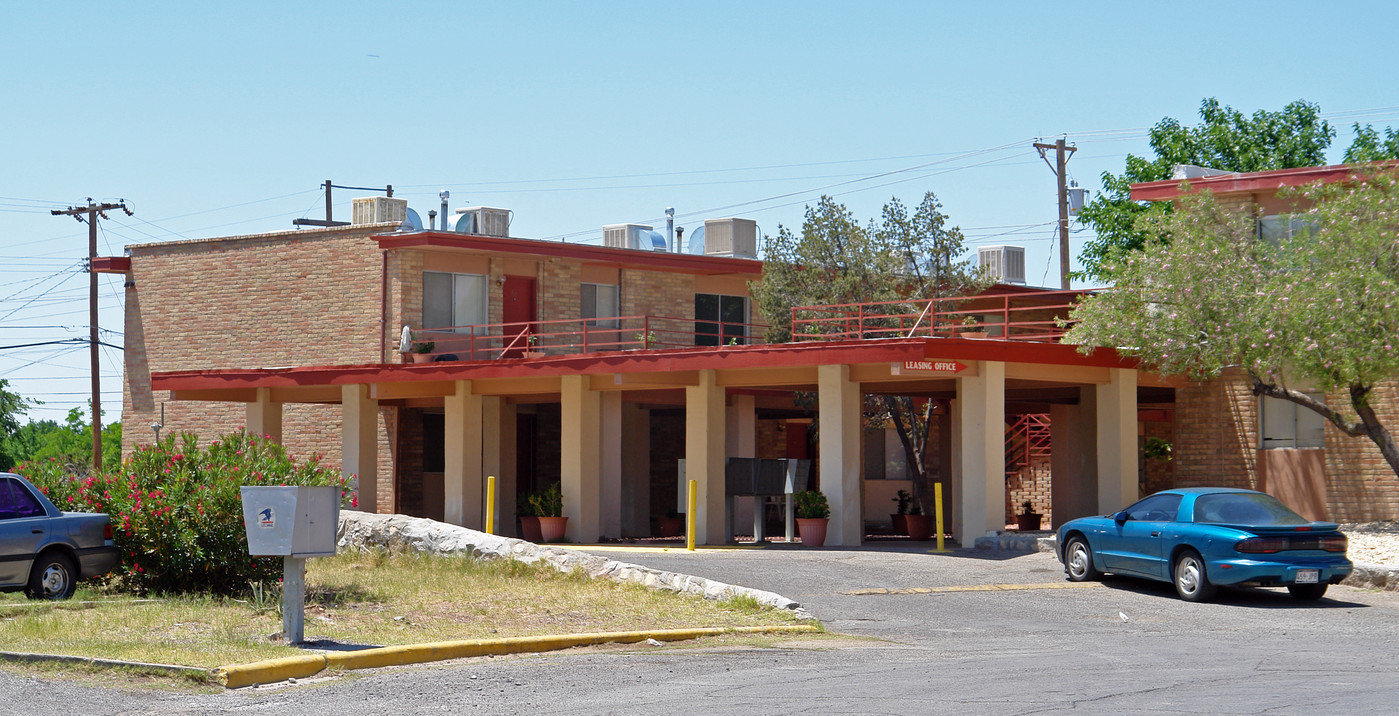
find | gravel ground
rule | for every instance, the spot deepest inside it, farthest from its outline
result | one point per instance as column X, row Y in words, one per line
column 1373, row 543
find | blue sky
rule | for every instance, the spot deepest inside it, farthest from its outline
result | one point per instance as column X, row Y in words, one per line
column 217, row 121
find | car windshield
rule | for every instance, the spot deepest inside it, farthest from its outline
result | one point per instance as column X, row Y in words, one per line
column 1244, row 508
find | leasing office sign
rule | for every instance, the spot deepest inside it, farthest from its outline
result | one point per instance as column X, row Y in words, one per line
column 927, row 366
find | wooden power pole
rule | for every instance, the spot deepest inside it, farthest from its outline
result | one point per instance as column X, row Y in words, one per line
column 1061, row 158
column 93, row 211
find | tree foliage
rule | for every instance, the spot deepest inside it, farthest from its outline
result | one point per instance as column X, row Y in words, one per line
column 1227, row 140
column 12, row 408
column 836, row 260
column 1317, row 309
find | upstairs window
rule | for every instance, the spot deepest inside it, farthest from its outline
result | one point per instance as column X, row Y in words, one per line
column 720, row 320
column 1285, row 424
column 599, row 301
column 454, row 300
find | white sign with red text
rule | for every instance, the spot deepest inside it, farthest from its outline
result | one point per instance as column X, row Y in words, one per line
column 927, row 366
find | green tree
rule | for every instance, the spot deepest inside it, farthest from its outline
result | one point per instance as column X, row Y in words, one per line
column 1368, row 147
column 71, row 444
column 1225, row 139
column 12, row 407
column 1316, row 309
column 836, row 260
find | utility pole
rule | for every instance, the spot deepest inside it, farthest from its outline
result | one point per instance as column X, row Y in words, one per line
column 1061, row 157
column 93, row 211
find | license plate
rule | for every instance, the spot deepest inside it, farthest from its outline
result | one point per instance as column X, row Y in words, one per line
column 1308, row 576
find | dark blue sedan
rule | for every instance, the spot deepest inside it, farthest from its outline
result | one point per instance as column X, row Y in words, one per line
column 1200, row 538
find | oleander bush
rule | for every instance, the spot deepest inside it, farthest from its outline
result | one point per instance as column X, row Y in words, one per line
column 176, row 510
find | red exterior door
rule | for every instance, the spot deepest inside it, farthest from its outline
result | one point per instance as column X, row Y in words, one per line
column 517, row 296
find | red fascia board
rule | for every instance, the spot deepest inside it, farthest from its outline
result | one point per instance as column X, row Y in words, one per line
column 657, row 260
column 653, row 361
column 111, row 264
column 1251, row 182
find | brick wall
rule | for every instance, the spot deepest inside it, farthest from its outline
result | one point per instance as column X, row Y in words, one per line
column 1361, row 487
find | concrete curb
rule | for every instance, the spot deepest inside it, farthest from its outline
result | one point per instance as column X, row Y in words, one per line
column 1373, row 576
column 300, row 667
column 173, row 669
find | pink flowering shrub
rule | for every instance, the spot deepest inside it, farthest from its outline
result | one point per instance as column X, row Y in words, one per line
column 176, row 510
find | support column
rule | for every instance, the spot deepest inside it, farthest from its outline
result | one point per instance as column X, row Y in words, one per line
column 265, row 416
column 1073, row 462
column 498, row 458
column 1117, row 441
column 981, row 400
column 580, row 464
column 838, row 401
column 741, row 440
column 462, row 483
column 610, row 500
column 359, row 444
column 704, row 456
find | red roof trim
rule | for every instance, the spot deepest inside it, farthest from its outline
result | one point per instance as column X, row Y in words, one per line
column 654, row 361
column 111, row 264
column 660, row 260
column 1252, row 182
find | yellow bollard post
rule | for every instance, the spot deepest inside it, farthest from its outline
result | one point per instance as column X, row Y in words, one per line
column 490, row 505
column 690, row 501
column 937, row 509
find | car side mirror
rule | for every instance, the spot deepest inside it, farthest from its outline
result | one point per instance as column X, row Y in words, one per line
column 1120, row 517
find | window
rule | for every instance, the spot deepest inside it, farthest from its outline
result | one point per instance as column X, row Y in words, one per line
column 1285, row 424
column 599, row 301
column 720, row 320
column 1277, row 227
column 1157, row 508
column 17, row 502
column 454, row 300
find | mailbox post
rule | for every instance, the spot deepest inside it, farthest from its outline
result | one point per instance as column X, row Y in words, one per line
column 294, row 522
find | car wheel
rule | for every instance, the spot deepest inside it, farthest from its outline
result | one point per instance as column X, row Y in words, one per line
column 1307, row 592
column 1192, row 584
column 53, row 577
column 1078, row 561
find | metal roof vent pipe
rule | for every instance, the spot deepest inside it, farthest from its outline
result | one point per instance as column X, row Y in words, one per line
column 431, row 219
column 444, row 195
column 670, row 229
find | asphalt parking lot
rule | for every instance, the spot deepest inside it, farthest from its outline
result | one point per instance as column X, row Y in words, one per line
column 967, row 632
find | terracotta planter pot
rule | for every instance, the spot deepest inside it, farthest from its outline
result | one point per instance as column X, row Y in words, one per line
column 900, row 524
column 920, row 527
column 421, row 357
column 529, row 529
column 671, row 526
column 1028, row 523
column 813, row 530
column 551, row 529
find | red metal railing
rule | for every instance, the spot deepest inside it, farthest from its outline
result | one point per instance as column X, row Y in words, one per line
column 1017, row 317
column 1027, row 440
column 530, row 339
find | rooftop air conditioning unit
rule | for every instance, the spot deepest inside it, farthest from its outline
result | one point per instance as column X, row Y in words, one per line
column 378, row 210
column 632, row 236
column 1005, row 264
column 737, row 238
column 483, row 221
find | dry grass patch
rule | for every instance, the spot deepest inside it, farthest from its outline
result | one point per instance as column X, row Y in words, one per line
column 362, row 599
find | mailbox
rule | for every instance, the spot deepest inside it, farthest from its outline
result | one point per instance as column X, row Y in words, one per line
column 291, row 521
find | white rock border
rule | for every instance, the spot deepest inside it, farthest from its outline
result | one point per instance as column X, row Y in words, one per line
column 366, row 530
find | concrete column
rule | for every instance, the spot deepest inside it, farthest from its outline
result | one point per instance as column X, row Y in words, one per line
column 359, row 444
column 462, row 481
column 741, row 440
column 580, row 464
column 265, row 416
column 636, row 471
column 1117, row 441
column 982, row 399
column 610, row 500
column 498, row 458
column 704, row 456
column 955, row 478
column 838, row 401
column 1073, row 462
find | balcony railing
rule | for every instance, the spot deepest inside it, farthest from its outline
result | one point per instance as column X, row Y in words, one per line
column 532, row 339
column 1016, row 317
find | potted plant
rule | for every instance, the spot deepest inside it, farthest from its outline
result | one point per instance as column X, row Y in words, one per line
column 813, row 514
column 547, row 504
column 1028, row 520
column 672, row 525
column 529, row 521
column 900, row 517
column 971, row 327
column 530, row 352
column 920, row 526
column 422, row 351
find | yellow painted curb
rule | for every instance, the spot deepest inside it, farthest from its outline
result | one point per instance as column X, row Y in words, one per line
column 298, row 667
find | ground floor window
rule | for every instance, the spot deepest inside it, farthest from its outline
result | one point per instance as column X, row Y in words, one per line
column 1285, row 424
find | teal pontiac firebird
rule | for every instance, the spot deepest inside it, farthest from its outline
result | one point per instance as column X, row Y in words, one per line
column 1201, row 538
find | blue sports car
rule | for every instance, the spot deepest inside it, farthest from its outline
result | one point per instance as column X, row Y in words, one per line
column 1199, row 538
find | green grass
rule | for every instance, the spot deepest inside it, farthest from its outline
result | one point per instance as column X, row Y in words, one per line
column 371, row 599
